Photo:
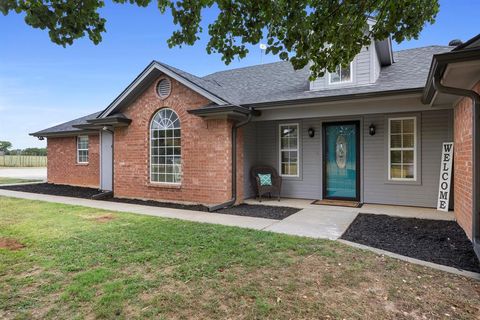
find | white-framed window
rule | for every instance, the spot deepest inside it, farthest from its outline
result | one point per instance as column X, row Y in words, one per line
column 82, row 149
column 165, row 147
column 341, row 74
column 289, row 150
column 402, row 149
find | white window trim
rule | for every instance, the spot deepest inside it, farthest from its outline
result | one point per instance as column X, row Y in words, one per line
column 78, row 150
column 414, row 149
column 341, row 82
column 162, row 183
column 280, row 149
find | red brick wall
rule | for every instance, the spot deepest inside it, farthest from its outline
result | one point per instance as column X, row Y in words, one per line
column 206, row 151
column 62, row 162
column 463, row 175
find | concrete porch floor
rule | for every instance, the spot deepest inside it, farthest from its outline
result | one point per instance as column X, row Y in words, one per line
column 391, row 210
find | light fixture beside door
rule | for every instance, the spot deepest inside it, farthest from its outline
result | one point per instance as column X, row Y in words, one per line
column 311, row 132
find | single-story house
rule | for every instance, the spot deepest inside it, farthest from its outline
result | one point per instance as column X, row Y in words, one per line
column 370, row 132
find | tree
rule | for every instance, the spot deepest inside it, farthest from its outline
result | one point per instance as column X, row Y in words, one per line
column 14, row 152
column 5, row 145
column 35, row 151
column 324, row 33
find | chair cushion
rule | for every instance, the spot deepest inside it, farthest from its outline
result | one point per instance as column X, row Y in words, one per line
column 265, row 179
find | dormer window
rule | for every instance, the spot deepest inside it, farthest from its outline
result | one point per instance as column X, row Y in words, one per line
column 341, row 75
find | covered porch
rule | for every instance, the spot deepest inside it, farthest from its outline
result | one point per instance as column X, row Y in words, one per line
column 387, row 158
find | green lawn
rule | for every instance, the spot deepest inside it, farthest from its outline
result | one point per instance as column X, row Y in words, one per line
column 86, row 263
column 4, row 180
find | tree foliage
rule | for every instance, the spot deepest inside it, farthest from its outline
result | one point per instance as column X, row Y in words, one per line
column 34, row 151
column 5, row 146
column 28, row 152
column 324, row 33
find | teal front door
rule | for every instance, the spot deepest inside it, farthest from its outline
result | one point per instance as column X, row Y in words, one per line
column 341, row 154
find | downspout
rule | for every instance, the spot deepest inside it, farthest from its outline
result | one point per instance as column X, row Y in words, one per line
column 232, row 201
column 475, row 97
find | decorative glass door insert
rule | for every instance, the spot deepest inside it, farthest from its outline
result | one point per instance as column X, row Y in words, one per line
column 340, row 160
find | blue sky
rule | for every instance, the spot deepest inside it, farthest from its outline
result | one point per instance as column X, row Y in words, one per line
column 42, row 84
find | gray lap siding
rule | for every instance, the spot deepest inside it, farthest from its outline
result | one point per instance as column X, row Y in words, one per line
column 249, row 157
column 434, row 128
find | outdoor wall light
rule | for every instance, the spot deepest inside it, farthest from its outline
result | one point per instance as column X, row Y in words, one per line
column 372, row 129
column 311, row 132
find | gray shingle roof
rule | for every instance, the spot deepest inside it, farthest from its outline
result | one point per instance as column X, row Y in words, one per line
column 278, row 81
column 67, row 126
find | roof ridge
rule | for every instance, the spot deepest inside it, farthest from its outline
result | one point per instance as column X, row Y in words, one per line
column 245, row 67
column 281, row 61
column 429, row 46
column 174, row 69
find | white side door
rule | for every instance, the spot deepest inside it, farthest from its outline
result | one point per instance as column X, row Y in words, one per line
column 106, row 160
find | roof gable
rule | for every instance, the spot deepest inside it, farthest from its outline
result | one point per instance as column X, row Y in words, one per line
column 208, row 89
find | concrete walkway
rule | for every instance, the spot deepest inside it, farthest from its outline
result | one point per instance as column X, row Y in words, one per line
column 315, row 221
column 24, row 173
column 318, row 222
column 190, row 215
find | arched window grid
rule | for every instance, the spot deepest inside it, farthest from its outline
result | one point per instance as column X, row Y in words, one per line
column 165, row 147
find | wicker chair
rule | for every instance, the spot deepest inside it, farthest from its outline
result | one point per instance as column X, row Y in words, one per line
column 260, row 190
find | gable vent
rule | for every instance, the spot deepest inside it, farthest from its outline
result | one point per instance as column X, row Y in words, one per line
column 164, row 87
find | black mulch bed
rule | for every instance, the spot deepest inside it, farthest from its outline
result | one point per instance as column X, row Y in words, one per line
column 442, row 242
column 259, row 211
column 55, row 189
column 151, row 203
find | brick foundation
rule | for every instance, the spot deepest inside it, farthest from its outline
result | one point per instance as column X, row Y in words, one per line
column 62, row 162
column 463, row 175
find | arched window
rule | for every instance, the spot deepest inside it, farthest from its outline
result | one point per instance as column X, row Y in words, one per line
column 165, row 147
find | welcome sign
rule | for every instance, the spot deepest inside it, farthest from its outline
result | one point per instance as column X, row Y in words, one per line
column 445, row 176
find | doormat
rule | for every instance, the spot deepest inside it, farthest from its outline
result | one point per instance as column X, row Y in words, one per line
column 338, row 203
